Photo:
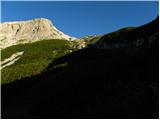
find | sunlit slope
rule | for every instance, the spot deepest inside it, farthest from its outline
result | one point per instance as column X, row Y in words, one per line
column 36, row 56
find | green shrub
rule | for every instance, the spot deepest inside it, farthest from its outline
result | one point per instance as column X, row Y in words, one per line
column 35, row 58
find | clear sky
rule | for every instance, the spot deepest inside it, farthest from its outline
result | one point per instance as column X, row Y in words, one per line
column 83, row 18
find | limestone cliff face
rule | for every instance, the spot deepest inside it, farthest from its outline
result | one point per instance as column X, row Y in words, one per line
column 12, row 33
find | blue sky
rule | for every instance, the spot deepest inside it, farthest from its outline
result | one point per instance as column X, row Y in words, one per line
column 83, row 18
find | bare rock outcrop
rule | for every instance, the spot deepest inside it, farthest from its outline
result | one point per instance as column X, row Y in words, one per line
column 11, row 60
column 12, row 33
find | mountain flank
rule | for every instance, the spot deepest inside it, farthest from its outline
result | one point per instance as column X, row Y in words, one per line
column 117, row 77
column 13, row 33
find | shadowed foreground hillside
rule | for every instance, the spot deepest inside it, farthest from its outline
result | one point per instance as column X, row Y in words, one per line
column 102, row 81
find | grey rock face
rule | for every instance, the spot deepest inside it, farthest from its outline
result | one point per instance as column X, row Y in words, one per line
column 12, row 33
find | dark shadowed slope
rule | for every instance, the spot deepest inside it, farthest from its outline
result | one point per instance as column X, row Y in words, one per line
column 131, row 37
column 96, row 82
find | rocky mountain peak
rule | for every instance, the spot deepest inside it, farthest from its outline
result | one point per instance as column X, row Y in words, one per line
column 12, row 33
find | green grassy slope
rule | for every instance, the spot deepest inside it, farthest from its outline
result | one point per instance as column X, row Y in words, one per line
column 36, row 57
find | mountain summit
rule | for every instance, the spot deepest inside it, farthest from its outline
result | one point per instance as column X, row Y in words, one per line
column 12, row 33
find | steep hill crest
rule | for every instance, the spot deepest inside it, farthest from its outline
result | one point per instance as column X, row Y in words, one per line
column 12, row 33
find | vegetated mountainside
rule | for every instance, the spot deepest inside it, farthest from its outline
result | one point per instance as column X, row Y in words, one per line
column 119, row 80
column 13, row 33
column 35, row 58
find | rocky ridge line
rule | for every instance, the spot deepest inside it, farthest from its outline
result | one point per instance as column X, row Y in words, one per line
column 13, row 33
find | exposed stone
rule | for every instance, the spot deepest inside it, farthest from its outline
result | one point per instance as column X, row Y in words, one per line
column 12, row 33
column 11, row 60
